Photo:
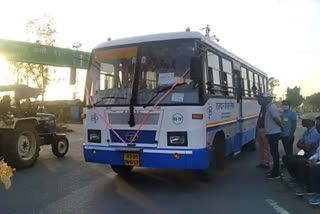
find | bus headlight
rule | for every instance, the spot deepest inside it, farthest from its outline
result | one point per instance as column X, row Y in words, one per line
column 177, row 138
column 94, row 136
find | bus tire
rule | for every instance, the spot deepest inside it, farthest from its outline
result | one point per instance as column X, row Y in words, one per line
column 219, row 151
column 122, row 171
column 217, row 159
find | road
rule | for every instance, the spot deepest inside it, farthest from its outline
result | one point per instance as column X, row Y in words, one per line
column 69, row 185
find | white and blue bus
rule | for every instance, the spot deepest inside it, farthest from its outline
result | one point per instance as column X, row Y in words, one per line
column 172, row 100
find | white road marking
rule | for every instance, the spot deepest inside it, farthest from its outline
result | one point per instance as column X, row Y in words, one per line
column 276, row 207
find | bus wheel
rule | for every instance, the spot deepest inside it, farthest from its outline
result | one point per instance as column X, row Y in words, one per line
column 122, row 171
column 219, row 151
column 206, row 175
column 216, row 159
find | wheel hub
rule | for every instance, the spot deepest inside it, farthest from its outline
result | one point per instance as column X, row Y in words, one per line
column 23, row 146
column 62, row 146
column 26, row 145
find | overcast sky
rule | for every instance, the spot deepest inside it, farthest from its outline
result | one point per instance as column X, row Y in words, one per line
column 281, row 37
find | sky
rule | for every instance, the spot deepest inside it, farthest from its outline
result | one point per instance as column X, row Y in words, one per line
column 280, row 37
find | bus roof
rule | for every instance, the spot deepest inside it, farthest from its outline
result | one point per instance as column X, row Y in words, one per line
column 172, row 36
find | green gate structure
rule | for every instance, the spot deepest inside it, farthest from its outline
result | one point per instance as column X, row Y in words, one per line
column 43, row 54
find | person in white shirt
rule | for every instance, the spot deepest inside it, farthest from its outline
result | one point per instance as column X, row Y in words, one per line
column 273, row 129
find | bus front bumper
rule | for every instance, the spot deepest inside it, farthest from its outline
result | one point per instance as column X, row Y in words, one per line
column 149, row 157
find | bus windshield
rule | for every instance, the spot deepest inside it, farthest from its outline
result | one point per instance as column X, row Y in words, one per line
column 111, row 75
column 158, row 64
column 162, row 64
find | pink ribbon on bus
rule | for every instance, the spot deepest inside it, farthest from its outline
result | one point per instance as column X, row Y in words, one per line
column 145, row 117
column 103, row 119
column 159, row 101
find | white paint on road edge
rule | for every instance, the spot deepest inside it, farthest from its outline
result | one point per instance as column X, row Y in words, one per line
column 276, row 207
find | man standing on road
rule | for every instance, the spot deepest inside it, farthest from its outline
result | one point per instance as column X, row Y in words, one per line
column 289, row 124
column 262, row 139
column 273, row 128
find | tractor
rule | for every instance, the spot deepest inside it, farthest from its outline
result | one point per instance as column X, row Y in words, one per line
column 23, row 129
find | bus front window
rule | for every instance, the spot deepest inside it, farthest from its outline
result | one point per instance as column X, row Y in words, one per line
column 111, row 74
column 162, row 64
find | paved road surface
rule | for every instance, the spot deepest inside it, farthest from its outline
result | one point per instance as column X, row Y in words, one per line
column 69, row 185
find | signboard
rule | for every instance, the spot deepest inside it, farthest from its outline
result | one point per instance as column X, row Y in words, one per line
column 43, row 54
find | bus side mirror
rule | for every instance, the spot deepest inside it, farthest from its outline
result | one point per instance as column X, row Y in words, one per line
column 196, row 68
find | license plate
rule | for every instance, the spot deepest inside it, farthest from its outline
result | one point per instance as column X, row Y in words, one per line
column 131, row 159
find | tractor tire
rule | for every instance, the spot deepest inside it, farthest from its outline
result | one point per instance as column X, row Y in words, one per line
column 122, row 171
column 21, row 146
column 60, row 146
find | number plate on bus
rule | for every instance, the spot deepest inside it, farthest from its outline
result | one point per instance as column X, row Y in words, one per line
column 131, row 159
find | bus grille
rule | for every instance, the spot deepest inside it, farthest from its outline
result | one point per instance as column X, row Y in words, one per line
column 115, row 118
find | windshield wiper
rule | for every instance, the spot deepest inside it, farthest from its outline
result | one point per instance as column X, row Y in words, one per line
column 161, row 90
column 109, row 97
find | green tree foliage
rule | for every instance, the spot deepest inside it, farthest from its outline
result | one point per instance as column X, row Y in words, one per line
column 23, row 72
column 313, row 101
column 294, row 97
column 17, row 69
column 273, row 82
column 41, row 31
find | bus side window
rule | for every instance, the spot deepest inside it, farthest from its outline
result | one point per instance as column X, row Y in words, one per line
column 255, row 84
column 214, row 73
column 261, row 89
column 265, row 84
column 244, row 82
column 250, row 82
column 227, row 71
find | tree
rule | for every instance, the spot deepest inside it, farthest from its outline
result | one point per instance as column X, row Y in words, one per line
column 314, row 101
column 41, row 31
column 273, row 82
column 17, row 69
column 29, row 72
column 23, row 72
column 294, row 97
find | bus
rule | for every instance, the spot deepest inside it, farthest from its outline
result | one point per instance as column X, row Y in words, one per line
column 172, row 100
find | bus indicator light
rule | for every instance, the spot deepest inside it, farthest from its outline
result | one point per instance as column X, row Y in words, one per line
column 197, row 116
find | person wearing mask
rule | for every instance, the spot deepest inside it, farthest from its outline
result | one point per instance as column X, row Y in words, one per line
column 314, row 172
column 297, row 165
column 263, row 141
column 273, row 129
column 289, row 124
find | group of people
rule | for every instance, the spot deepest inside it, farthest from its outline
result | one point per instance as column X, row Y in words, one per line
column 272, row 127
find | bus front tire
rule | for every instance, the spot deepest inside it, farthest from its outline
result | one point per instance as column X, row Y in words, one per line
column 122, row 171
column 217, row 159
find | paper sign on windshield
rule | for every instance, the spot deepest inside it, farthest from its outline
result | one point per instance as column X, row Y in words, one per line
column 166, row 79
column 177, row 97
